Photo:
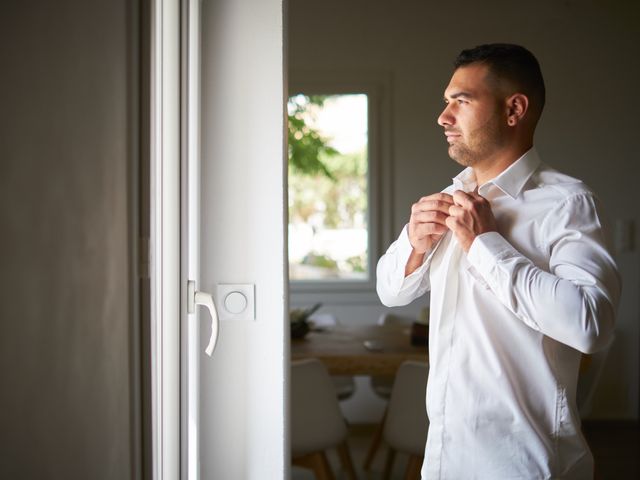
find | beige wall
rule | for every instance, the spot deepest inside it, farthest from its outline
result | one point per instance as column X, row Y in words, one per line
column 65, row 321
column 588, row 53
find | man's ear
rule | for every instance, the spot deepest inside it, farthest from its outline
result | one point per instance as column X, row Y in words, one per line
column 517, row 106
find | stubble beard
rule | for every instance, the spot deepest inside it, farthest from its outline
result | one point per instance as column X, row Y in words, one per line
column 482, row 144
column 462, row 155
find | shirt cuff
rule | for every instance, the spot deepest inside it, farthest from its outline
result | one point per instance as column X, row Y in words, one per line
column 487, row 250
column 403, row 251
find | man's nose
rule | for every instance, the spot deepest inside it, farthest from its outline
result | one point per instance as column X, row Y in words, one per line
column 445, row 117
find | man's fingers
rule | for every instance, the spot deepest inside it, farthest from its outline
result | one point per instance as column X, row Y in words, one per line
column 453, row 224
column 463, row 199
column 423, row 230
column 429, row 216
column 468, row 200
column 455, row 210
column 436, row 197
column 441, row 196
column 476, row 195
column 431, row 205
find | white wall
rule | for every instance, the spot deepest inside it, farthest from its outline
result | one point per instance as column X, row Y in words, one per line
column 588, row 53
column 243, row 396
column 66, row 400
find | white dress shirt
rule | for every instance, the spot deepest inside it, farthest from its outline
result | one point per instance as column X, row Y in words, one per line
column 508, row 322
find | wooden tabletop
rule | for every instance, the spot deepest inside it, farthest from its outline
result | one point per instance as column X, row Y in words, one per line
column 342, row 349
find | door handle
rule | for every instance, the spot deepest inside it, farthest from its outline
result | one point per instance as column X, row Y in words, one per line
column 194, row 298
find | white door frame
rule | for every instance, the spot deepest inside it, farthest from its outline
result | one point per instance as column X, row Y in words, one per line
column 164, row 246
column 251, row 30
column 244, row 389
column 190, row 240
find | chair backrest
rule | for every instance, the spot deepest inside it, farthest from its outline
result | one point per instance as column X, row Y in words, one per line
column 588, row 380
column 407, row 424
column 316, row 419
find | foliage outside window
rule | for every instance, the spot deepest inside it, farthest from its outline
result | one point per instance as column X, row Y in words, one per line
column 328, row 211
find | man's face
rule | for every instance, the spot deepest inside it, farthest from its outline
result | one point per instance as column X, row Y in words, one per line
column 474, row 118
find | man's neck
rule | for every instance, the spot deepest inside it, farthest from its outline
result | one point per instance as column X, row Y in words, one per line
column 489, row 168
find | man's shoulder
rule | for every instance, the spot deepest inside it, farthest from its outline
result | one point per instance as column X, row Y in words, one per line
column 558, row 183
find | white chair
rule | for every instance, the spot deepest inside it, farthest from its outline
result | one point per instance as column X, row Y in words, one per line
column 406, row 424
column 591, row 368
column 381, row 386
column 345, row 386
column 316, row 420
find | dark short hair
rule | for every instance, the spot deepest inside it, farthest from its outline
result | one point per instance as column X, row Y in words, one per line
column 509, row 62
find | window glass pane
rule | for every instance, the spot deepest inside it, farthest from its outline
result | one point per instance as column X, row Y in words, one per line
column 328, row 211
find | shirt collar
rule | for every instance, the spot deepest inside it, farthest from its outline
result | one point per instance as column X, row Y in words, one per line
column 511, row 181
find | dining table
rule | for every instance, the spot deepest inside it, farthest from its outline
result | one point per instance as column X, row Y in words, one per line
column 360, row 349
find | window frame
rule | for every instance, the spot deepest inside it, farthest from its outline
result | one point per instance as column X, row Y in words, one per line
column 376, row 87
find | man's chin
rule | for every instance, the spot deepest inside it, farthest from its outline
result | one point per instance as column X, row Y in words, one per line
column 459, row 157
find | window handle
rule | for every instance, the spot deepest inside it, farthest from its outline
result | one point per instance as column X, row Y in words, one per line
column 206, row 300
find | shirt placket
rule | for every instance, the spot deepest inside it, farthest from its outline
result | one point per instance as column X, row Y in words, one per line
column 446, row 333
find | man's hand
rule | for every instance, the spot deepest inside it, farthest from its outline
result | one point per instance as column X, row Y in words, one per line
column 470, row 216
column 428, row 221
column 426, row 225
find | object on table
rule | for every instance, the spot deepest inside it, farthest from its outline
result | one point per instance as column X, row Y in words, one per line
column 373, row 345
column 299, row 320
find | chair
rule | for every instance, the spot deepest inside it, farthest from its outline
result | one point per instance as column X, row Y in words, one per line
column 316, row 420
column 381, row 386
column 406, row 424
column 591, row 368
column 345, row 385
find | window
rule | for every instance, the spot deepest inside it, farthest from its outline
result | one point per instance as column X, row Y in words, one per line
column 334, row 247
column 329, row 187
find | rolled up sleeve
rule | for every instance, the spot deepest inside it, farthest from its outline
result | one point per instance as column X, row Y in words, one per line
column 394, row 289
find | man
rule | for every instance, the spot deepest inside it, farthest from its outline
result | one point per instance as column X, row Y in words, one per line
column 521, row 282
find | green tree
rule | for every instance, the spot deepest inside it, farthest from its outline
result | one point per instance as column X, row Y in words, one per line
column 306, row 145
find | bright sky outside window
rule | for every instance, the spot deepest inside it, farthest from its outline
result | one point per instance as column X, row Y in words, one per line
column 328, row 211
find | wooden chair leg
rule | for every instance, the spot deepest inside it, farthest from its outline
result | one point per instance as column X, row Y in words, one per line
column 388, row 465
column 375, row 443
column 345, row 460
column 318, row 463
column 414, row 465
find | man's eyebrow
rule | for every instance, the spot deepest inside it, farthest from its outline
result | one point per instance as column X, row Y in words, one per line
column 461, row 94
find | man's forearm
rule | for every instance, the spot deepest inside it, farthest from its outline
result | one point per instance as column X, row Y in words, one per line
column 414, row 262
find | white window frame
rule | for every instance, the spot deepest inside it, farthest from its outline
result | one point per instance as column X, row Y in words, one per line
column 377, row 88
